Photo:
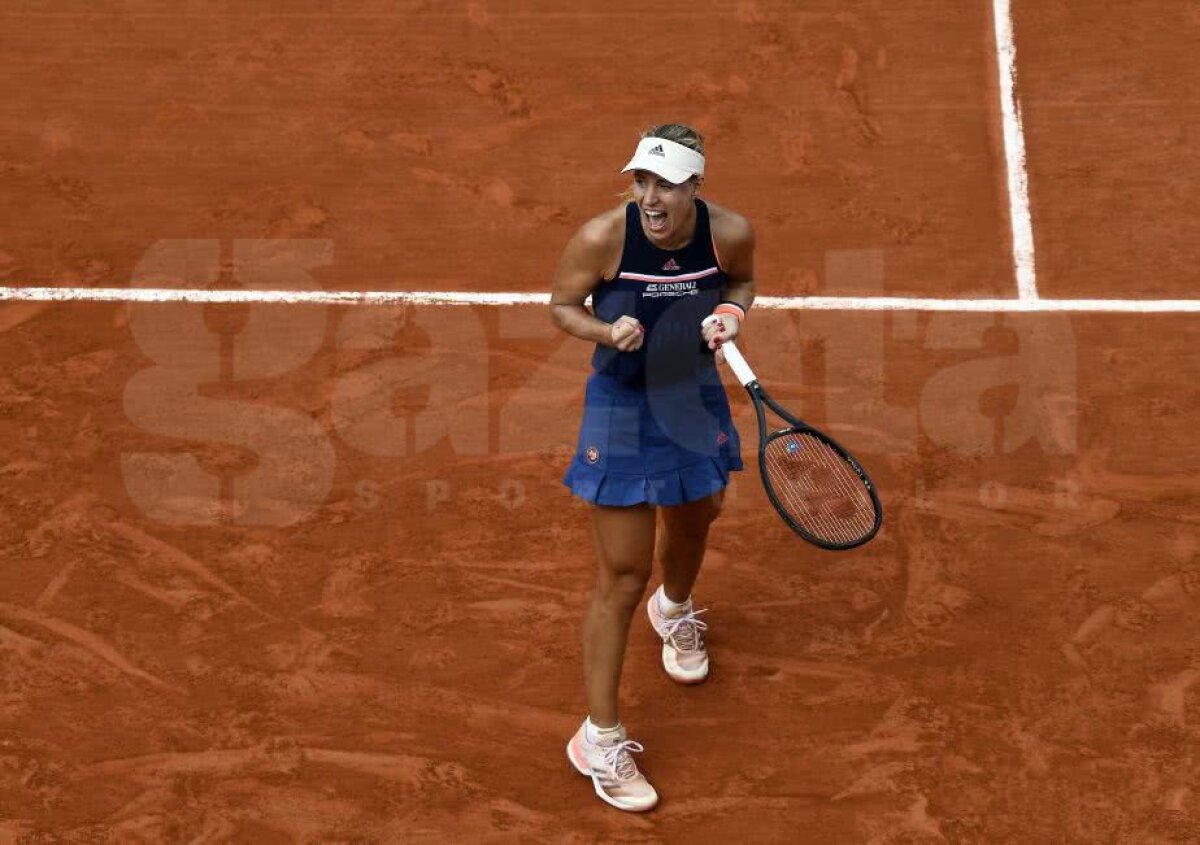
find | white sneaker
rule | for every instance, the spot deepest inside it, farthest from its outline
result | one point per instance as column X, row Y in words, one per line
column 684, row 655
column 610, row 766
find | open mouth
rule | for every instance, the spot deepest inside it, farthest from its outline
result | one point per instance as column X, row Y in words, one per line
column 656, row 221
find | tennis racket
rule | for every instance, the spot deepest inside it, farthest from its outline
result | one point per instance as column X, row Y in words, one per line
column 819, row 489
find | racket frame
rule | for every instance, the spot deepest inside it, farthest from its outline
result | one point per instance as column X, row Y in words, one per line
column 760, row 397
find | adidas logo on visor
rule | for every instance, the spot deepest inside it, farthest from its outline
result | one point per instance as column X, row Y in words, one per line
column 656, row 151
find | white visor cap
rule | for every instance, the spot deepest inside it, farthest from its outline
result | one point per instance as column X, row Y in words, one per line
column 673, row 162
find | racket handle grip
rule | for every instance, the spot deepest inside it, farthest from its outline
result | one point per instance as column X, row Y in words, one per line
column 733, row 357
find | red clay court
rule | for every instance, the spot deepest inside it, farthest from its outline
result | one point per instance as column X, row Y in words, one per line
column 282, row 420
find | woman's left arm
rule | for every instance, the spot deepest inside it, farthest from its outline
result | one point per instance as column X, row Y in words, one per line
column 738, row 242
column 734, row 239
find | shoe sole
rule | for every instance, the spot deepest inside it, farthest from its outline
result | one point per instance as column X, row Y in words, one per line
column 600, row 793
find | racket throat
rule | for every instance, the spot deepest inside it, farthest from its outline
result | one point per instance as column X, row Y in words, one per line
column 752, row 389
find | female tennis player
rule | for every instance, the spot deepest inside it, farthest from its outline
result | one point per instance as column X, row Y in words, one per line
column 657, row 442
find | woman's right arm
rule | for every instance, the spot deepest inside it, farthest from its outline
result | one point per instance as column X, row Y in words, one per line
column 588, row 257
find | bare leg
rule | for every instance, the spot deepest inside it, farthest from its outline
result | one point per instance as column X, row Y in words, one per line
column 682, row 543
column 624, row 539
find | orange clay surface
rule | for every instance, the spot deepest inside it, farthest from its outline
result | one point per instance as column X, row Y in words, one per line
column 277, row 573
column 1110, row 118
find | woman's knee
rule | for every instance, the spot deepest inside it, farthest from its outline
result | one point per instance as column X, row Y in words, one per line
column 624, row 551
column 624, row 586
column 694, row 518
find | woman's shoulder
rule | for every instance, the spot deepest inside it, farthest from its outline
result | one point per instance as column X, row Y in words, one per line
column 729, row 228
column 605, row 229
column 596, row 247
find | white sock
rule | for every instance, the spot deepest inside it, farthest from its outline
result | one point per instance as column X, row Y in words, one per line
column 593, row 733
column 668, row 607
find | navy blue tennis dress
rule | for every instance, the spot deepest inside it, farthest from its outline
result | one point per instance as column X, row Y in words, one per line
column 656, row 423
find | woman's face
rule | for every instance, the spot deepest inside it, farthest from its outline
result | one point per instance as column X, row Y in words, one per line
column 667, row 209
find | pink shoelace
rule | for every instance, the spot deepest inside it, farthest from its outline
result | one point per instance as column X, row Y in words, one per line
column 618, row 760
column 686, row 632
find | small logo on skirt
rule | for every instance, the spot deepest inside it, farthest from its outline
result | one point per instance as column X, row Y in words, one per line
column 592, row 454
column 722, row 438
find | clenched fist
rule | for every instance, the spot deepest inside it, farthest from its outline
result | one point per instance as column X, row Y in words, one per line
column 627, row 333
column 717, row 329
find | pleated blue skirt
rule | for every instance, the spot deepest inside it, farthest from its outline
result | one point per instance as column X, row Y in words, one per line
column 667, row 446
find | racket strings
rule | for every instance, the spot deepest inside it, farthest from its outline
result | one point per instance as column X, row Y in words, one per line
column 818, row 489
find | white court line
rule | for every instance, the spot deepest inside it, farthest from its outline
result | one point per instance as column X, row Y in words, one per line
column 449, row 297
column 1014, row 153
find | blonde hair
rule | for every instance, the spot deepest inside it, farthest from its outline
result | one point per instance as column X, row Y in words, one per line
column 677, row 132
